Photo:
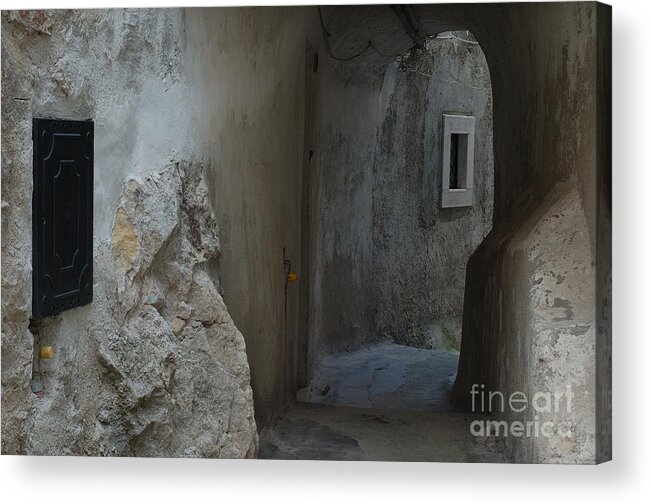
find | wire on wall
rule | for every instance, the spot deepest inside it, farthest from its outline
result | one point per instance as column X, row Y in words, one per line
column 454, row 37
column 369, row 45
column 421, row 45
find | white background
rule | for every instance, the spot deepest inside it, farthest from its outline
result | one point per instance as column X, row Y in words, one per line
column 627, row 478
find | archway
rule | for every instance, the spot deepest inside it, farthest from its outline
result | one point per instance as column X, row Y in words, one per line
column 515, row 312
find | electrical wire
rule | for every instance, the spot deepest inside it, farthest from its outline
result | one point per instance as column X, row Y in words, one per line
column 454, row 37
column 369, row 45
column 326, row 37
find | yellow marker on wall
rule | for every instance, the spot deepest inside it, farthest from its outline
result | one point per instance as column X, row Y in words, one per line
column 292, row 276
column 47, row 352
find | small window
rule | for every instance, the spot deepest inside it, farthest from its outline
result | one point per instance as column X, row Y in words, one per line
column 458, row 154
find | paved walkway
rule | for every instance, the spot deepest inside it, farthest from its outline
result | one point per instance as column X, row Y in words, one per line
column 389, row 376
column 324, row 432
column 388, row 402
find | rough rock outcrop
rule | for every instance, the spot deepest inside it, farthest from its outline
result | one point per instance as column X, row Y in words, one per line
column 155, row 365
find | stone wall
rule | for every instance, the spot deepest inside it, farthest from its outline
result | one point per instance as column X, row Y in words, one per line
column 155, row 365
column 178, row 106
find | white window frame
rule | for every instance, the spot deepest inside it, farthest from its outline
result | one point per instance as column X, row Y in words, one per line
column 464, row 195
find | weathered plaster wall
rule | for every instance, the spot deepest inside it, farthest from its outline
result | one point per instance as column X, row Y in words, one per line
column 545, row 303
column 420, row 250
column 123, row 69
column 142, row 76
column 348, row 110
column 545, row 126
column 388, row 263
column 249, row 66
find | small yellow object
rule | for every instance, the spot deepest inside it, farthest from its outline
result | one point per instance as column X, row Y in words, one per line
column 292, row 276
column 47, row 352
